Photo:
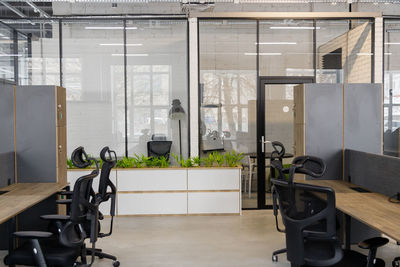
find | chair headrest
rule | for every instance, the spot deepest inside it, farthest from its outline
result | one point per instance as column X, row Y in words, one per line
column 279, row 150
column 105, row 155
column 79, row 158
column 310, row 165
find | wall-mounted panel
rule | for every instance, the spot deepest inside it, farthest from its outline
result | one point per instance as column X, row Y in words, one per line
column 363, row 117
column 324, row 124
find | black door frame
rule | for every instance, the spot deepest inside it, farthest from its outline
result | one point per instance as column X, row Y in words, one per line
column 262, row 81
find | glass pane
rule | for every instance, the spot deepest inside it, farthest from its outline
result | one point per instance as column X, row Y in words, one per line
column 23, row 59
column 286, row 48
column 157, row 74
column 228, row 77
column 279, row 122
column 344, row 51
column 392, row 88
column 6, row 54
column 94, row 78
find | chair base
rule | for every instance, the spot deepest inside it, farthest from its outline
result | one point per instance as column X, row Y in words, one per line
column 276, row 253
column 101, row 255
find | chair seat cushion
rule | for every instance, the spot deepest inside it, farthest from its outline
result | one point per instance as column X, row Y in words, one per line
column 55, row 254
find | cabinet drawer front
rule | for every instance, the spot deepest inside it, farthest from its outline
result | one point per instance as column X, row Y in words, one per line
column 151, row 180
column 152, row 203
column 214, row 179
column 214, row 202
column 72, row 176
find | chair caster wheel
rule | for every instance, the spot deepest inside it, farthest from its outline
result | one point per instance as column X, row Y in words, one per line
column 274, row 258
column 116, row 263
column 395, row 264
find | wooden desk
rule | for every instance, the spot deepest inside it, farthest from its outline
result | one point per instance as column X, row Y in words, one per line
column 22, row 196
column 373, row 209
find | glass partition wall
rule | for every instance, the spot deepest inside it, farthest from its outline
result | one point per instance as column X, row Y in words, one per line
column 235, row 55
column 121, row 77
column 391, row 127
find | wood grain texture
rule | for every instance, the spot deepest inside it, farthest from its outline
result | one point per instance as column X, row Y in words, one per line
column 373, row 209
column 23, row 196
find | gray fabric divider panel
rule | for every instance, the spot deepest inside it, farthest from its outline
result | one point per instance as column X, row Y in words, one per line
column 36, row 134
column 362, row 117
column 324, row 120
column 378, row 173
column 7, row 157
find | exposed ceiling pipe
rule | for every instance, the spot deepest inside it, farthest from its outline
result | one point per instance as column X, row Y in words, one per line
column 37, row 9
column 13, row 9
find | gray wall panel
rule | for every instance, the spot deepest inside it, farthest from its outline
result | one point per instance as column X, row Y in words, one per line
column 6, row 133
column 323, row 117
column 362, row 117
column 36, row 133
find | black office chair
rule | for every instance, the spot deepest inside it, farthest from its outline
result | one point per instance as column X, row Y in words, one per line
column 309, row 216
column 276, row 161
column 109, row 159
column 313, row 166
column 159, row 148
column 44, row 249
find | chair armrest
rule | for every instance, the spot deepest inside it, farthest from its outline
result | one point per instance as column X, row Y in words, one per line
column 373, row 243
column 55, row 217
column 32, row 234
column 64, row 201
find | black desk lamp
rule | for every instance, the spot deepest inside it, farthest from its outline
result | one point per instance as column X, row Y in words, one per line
column 177, row 113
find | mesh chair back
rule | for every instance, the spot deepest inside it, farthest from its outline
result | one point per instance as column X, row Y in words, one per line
column 159, row 148
column 307, row 211
column 109, row 159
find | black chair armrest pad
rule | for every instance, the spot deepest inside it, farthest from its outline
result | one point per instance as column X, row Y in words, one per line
column 55, row 217
column 32, row 234
column 374, row 242
column 64, row 201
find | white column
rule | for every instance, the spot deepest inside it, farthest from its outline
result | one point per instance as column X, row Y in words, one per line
column 378, row 53
column 194, row 87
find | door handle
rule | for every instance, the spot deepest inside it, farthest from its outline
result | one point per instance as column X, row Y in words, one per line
column 263, row 142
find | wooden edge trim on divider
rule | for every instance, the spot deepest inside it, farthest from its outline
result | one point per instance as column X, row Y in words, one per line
column 15, row 140
column 177, row 191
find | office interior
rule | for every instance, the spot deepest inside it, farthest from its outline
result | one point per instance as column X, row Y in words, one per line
column 198, row 117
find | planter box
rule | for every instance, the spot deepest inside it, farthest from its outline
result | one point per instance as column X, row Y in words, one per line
column 174, row 191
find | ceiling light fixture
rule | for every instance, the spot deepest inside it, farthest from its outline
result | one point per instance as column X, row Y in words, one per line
column 121, row 44
column 263, row 54
column 365, row 54
column 276, row 43
column 392, row 43
column 109, row 28
column 130, row 55
column 294, row 28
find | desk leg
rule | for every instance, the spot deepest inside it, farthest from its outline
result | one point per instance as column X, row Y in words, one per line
column 347, row 243
column 11, row 240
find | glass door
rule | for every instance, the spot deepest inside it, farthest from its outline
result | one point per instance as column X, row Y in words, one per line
column 276, row 123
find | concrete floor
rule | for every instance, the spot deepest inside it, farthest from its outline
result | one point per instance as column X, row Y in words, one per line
column 246, row 240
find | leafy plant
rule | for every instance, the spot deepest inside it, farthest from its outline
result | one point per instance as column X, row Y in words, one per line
column 147, row 161
column 137, row 161
column 125, row 162
column 196, row 161
column 70, row 165
column 218, row 158
column 209, row 161
column 233, row 159
column 160, row 162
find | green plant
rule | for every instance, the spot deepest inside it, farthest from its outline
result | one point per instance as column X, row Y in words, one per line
column 147, row 161
column 209, row 161
column 196, row 161
column 137, row 161
column 233, row 159
column 125, row 162
column 218, row 158
column 160, row 162
column 70, row 165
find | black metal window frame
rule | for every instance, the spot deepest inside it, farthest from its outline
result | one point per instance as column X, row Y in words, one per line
column 100, row 18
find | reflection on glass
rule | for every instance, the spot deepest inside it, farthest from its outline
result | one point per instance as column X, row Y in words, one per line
column 392, row 88
column 157, row 74
column 6, row 53
column 286, row 48
column 94, row 80
column 344, row 51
